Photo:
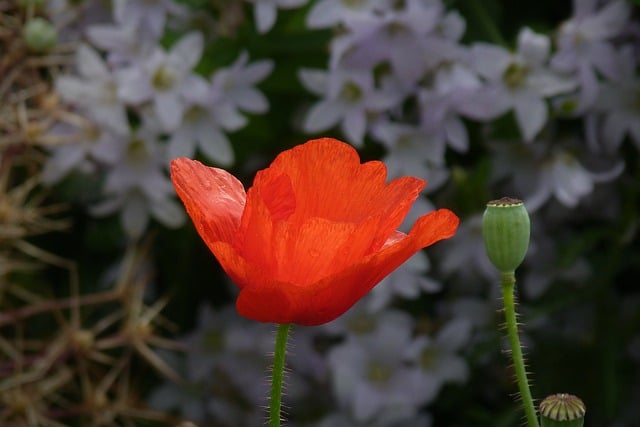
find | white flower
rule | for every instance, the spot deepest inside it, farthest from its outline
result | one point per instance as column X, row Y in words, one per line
column 203, row 127
column 125, row 43
column 349, row 98
column 136, row 184
column 235, row 85
column 584, row 44
column 363, row 320
column 148, row 15
column 370, row 376
column 544, row 267
column 414, row 151
column 619, row 104
column 443, row 103
column 517, row 81
column 265, row 11
column 408, row 281
column 64, row 159
column 437, row 358
column 397, row 37
column 95, row 91
column 328, row 13
column 164, row 78
column 465, row 256
column 563, row 177
column 209, row 342
column 540, row 174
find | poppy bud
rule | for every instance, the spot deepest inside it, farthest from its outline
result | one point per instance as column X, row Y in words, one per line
column 39, row 35
column 562, row 410
column 506, row 229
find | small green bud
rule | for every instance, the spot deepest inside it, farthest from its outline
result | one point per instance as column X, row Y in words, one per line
column 562, row 410
column 506, row 229
column 39, row 35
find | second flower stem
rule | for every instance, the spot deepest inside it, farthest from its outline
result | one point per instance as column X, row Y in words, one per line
column 508, row 282
column 278, row 374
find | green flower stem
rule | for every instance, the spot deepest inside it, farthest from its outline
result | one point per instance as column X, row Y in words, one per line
column 278, row 374
column 508, row 282
column 482, row 15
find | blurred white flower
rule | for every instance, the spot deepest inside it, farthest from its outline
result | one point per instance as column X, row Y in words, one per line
column 465, row 257
column 413, row 151
column 124, row 43
column 164, row 78
column 584, row 44
column 362, row 320
column 235, row 85
column 147, row 15
column 562, row 176
column 328, row 13
column 396, row 37
column 265, row 12
column 370, row 376
column 409, row 281
column 545, row 267
column 63, row 159
column 71, row 18
column 136, row 185
column 203, row 127
column 438, row 358
column 95, row 91
column 349, row 98
column 618, row 104
column 538, row 173
column 519, row 81
column 209, row 342
column 442, row 104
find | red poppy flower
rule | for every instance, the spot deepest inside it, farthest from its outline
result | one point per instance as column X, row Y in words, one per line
column 315, row 232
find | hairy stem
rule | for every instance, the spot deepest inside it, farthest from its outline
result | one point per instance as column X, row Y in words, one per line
column 278, row 374
column 508, row 282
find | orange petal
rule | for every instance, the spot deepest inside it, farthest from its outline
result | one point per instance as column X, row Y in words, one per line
column 329, row 181
column 327, row 299
column 214, row 198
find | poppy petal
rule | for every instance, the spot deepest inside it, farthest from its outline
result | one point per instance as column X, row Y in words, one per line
column 327, row 299
column 329, row 181
column 214, row 198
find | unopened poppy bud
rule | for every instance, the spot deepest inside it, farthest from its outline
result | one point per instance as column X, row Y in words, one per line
column 506, row 229
column 562, row 410
column 39, row 35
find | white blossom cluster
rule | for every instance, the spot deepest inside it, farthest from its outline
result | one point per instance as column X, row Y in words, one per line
column 399, row 75
column 146, row 106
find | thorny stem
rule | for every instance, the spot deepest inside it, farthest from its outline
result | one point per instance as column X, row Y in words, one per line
column 278, row 374
column 30, row 310
column 508, row 282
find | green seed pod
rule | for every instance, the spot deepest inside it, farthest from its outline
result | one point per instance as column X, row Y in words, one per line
column 506, row 229
column 562, row 410
column 39, row 35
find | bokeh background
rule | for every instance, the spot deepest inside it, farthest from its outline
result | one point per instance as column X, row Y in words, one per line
column 113, row 312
